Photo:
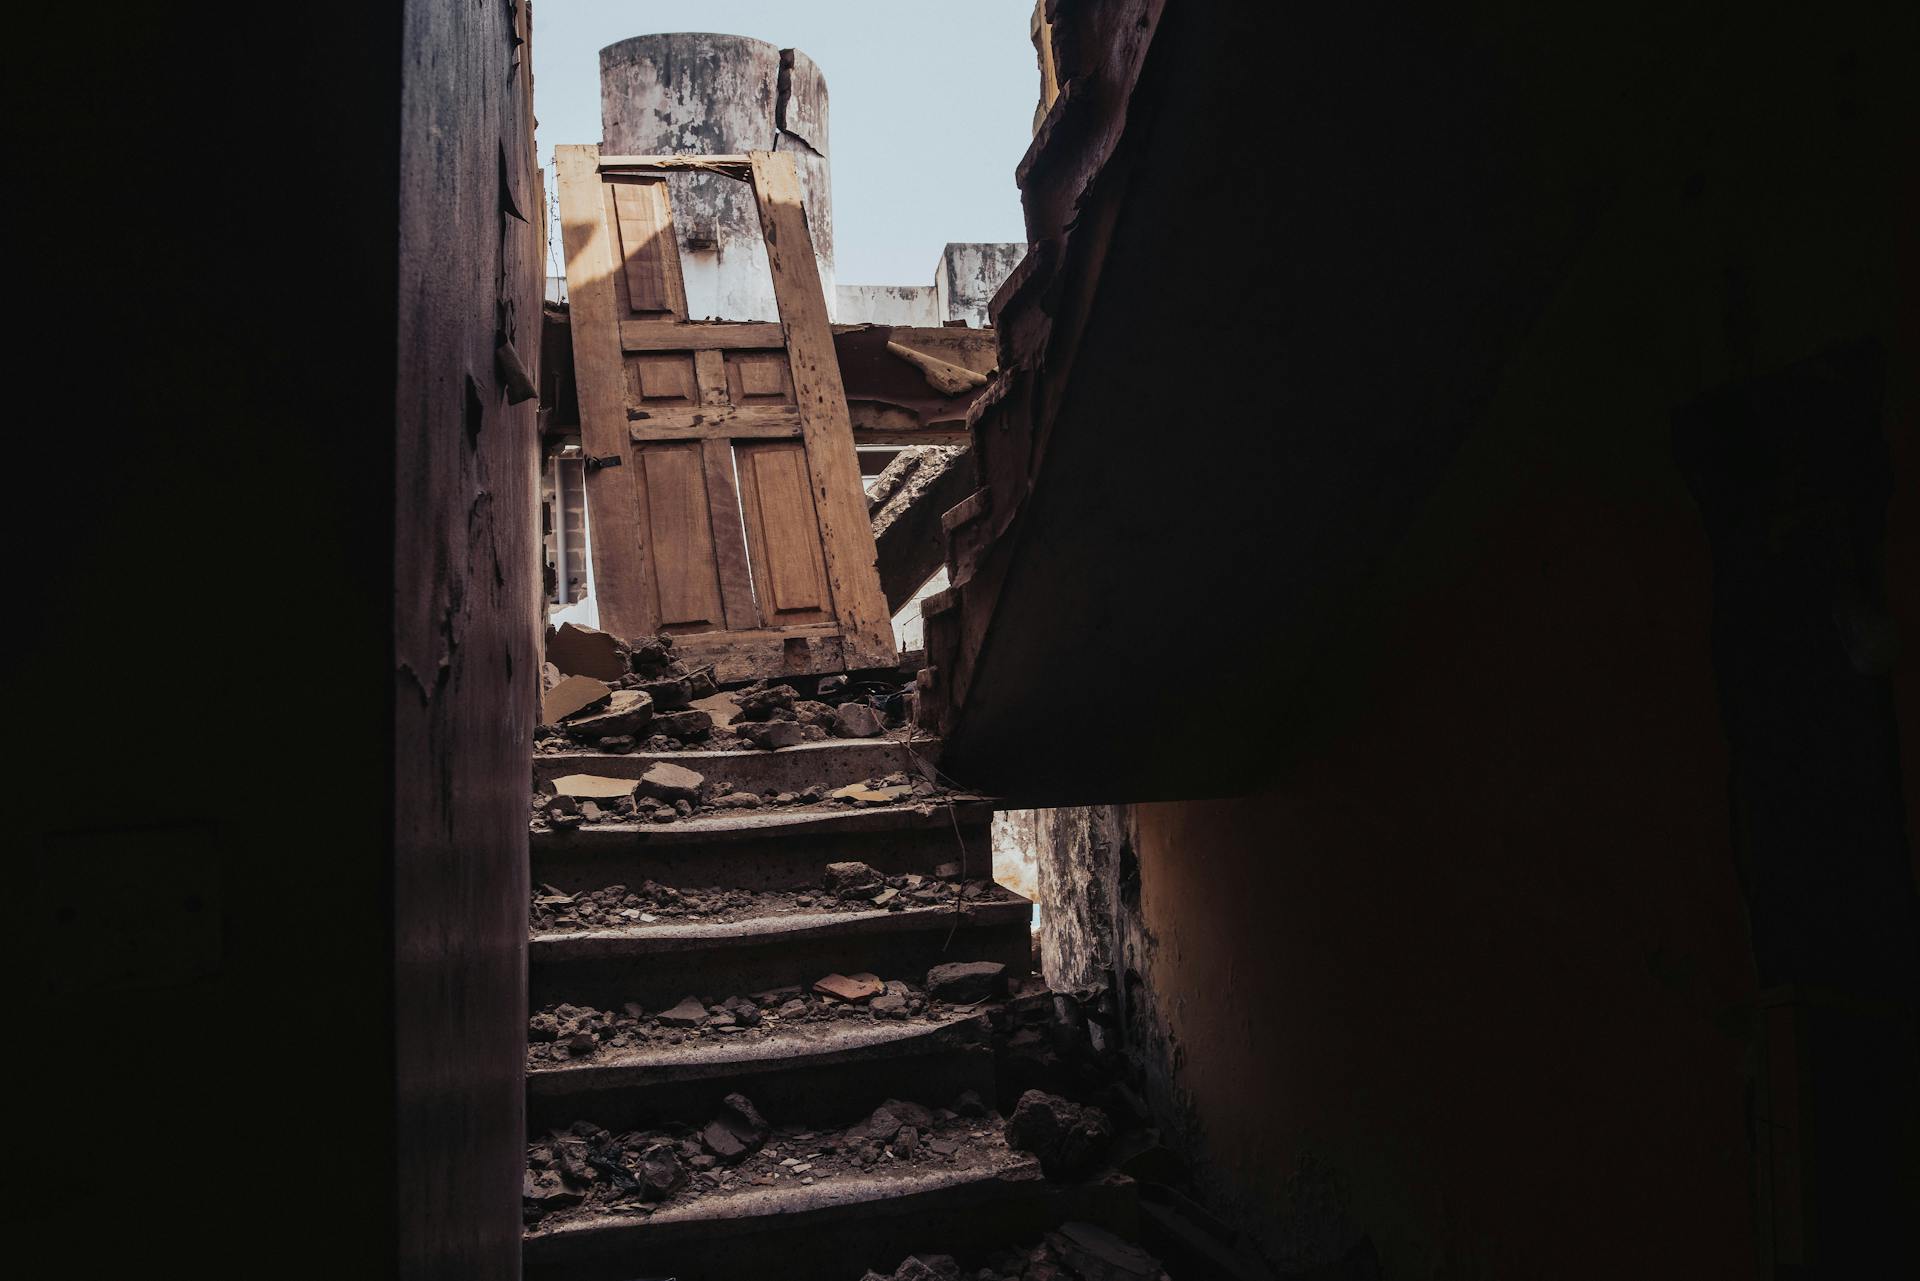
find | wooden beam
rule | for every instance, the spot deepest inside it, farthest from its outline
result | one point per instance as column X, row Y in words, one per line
column 668, row 335
column 622, row 582
column 755, row 422
column 834, row 471
column 739, row 167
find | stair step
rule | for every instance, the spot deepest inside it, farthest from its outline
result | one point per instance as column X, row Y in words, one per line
column 817, row 1073
column 829, row 1231
column 658, row 964
column 833, row 763
column 782, row 848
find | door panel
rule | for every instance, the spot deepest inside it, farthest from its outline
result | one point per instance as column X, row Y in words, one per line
column 725, row 505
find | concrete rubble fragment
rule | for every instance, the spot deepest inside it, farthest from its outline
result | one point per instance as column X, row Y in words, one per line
column 965, row 982
column 737, row 1131
column 1098, row 1255
column 583, row 651
column 855, row 720
column 1069, row 1139
column 571, row 696
column 853, row 880
column 592, row 787
column 772, row 735
column 688, row 1013
column 868, row 795
column 850, row 987
column 668, row 782
column 627, row 712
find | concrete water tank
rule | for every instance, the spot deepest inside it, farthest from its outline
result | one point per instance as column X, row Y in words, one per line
column 697, row 92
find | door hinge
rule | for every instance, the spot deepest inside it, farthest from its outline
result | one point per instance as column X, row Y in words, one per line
column 605, row 460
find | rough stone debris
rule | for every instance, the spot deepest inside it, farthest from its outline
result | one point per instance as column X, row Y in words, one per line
column 850, row 987
column 737, row 1131
column 689, row 1013
column 583, row 651
column 772, row 735
column 1098, row 1255
column 669, row 694
column 721, row 707
column 853, row 880
column 592, row 787
column 626, row 713
column 666, row 781
column 869, row 795
column 855, row 720
column 764, row 702
column 1069, row 1139
column 572, row 695
column 688, row 726
column 965, row 982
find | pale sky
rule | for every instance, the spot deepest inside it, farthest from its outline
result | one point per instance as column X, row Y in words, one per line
column 930, row 106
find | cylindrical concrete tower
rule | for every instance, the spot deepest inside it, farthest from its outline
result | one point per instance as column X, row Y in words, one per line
column 695, row 92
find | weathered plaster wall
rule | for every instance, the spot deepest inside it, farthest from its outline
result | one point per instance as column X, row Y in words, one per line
column 710, row 94
column 968, row 276
column 888, row 305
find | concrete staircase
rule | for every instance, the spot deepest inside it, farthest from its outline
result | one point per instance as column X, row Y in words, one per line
column 816, row 1075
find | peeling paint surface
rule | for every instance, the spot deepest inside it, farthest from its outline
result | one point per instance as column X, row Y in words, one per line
column 710, row 94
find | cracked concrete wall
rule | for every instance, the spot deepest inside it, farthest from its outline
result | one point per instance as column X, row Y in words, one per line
column 711, row 94
column 970, row 274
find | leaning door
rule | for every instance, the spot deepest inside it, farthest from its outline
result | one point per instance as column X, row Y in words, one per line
column 724, row 500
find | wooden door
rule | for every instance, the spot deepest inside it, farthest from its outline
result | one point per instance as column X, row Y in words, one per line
column 724, row 500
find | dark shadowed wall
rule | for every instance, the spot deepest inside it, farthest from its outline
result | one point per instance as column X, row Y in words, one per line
column 274, row 568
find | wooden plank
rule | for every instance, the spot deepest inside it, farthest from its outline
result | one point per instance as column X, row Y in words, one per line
column 731, row 166
column 748, row 656
column 853, row 583
column 790, row 579
column 756, row 421
column 674, row 477
column 669, row 335
column 729, row 539
column 646, row 245
column 622, row 576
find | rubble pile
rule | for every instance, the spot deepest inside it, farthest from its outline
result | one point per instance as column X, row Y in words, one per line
column 1077, row 1252
column 600, row 693
column 667, row 792
column 567, row 1032
column 846, row 887
column 586, row 1168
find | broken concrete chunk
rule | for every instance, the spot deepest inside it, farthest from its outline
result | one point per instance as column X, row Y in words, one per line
column 1098, row 1255
column 669, row 782
column 685, row 726
column 1068, row 1139
column 543, row 1188
column 965, row 982
column 592, row 787
column 888, row 1005
column 549, row 677
column 627, row 712
column 872, row 795
column 721, row 707
column 670, row 694
column 582, row 651
column 738, row 1130
column 855, row 720
column 660, row 1172
column 689, row 1013
column 772, row 735
column 761, row 703
column 853, row 880
column 572, row 696
column 850, row 987
column 818, row 715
